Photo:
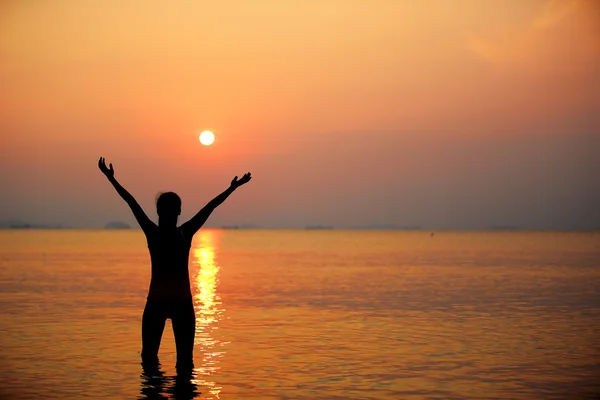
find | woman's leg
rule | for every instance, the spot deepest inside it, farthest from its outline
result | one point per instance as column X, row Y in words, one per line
column 153, row 325
column 183, row 318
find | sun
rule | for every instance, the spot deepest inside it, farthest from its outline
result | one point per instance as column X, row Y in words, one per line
column 207, row 138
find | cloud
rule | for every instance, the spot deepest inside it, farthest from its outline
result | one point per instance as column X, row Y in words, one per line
column 562, row 37
column 554, row 11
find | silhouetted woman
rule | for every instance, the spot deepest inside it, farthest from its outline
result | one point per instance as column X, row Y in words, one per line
column 169, row 295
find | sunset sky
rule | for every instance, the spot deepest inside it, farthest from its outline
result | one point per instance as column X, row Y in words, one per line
column 442, row 114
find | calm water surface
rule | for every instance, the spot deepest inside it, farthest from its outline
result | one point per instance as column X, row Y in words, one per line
column 308, row 315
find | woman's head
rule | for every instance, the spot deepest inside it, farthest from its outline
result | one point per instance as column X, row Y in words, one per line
column 168, row 205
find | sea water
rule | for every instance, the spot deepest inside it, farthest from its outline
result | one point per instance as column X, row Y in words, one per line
column 308, row 314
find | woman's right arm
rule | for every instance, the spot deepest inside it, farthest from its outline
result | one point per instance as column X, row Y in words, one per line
column 145, row 223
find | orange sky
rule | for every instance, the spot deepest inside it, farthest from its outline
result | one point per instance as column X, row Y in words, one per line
column 442, row 114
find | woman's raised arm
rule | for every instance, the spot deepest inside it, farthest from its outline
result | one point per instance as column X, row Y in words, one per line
column 138, row 212
column 195, row 223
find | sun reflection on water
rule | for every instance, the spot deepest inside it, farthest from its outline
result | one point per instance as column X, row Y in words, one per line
column 209, row 310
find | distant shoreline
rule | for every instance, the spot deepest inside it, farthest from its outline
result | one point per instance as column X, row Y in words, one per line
column 305, row 229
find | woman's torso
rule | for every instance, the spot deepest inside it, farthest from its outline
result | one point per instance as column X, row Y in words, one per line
column 169, row 254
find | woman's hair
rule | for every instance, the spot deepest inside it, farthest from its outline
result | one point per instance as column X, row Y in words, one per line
column 168, row 204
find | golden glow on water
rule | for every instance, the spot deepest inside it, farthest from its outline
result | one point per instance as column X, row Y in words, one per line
column 209, row 310
column 206, row 281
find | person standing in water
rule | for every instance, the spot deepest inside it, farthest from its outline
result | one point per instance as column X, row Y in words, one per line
column 169, row 295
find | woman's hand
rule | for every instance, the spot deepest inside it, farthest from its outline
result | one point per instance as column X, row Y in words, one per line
column 109, row 172
column 235, row 183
